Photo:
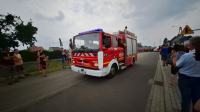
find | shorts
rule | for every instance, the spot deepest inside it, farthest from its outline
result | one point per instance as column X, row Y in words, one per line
column 43, row 66
column 19, row 68
column 63, row 59
column 164, row 57
column 68, row 59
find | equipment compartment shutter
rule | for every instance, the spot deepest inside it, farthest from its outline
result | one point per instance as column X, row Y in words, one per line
column 129, row 46
column 134, row 46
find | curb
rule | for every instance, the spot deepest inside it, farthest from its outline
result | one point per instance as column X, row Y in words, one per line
column 155, row 102
column 163, row 97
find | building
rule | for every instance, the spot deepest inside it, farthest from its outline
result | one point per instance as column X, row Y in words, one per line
column 180, row 39
column 34, row 48
column 55, row 49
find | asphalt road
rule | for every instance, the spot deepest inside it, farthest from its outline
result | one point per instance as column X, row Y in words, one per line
column 126, row 92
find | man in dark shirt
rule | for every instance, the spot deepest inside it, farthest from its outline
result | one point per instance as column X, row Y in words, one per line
column 8, row 64
column 164, row 54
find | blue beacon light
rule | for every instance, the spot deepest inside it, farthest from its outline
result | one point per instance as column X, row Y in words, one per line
column 90, row 31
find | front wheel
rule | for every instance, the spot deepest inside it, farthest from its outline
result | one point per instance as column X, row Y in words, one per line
column 113, row 72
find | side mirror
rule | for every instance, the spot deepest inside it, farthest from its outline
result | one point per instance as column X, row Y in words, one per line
column 103, row 48
column 106, row 42
column 107, row 45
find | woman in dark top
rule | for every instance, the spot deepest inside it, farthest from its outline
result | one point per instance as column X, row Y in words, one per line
column 43, row 63
column 8, row 63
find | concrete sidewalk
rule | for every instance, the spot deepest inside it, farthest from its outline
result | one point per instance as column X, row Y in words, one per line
column 32, row 89
column 164, row 97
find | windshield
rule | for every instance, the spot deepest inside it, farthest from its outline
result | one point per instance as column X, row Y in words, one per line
column 87, row 42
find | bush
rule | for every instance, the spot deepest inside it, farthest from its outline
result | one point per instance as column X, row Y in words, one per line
column 28, row 56
column 32, row 56
column 53, row 54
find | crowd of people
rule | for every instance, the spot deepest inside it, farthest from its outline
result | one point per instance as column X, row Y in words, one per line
column 12, row 62
column 66, row 58
column 66, row 55
column 185, row 66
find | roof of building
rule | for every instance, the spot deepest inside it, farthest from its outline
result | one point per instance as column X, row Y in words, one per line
column 34, row 48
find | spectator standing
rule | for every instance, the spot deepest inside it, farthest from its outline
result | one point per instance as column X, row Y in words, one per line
column 64, row 58
column 177, row 52
column 38, row 60
column 189, row 75
column 164, row 54
column 43, row 63
column 18, row 63
column 71, row 46
column 169, row 57
column 180, row 50
column 8, row 65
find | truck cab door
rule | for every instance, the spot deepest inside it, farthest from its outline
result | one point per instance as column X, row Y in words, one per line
column 108, row 49
column 115, row 46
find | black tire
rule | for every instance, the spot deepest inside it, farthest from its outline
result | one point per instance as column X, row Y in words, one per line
column 133, row 60
column 113, row 71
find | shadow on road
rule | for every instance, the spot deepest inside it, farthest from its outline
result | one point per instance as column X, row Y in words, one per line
column 98, row 80
column 92, row 79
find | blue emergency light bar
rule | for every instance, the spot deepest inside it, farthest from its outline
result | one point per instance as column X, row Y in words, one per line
column 91, row 31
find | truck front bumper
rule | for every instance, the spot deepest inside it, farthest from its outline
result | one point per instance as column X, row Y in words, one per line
column 96, row 73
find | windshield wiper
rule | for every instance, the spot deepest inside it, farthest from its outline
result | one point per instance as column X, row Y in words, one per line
column 85, row 50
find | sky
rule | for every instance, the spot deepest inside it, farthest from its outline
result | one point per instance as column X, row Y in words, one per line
column 150, row 20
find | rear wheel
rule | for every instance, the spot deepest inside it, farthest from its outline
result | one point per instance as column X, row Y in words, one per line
column 133, row 61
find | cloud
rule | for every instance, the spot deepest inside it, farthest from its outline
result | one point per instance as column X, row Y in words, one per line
column 150, row 20
column 58, row 17
column 151, row 12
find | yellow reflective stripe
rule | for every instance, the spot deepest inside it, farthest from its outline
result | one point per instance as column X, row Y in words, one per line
column 106, row 63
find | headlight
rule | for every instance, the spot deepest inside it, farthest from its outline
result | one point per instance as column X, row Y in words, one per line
column 95, row 63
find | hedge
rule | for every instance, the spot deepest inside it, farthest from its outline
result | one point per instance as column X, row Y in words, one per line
column 32, row 56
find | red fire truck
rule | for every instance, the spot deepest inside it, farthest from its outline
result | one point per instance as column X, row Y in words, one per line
column 97, row 53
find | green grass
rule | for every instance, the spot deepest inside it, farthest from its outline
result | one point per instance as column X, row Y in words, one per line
column 31, row 68
column 52, row 66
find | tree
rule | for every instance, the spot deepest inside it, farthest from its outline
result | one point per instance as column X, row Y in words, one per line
column 13, row 31
column 24, row 33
